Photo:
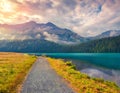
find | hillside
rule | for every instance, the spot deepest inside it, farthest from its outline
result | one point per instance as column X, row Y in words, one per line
column 110, row 44
column 32, row 45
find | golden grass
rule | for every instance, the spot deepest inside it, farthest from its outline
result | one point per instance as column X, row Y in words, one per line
column 13, row 68
column 80, row 82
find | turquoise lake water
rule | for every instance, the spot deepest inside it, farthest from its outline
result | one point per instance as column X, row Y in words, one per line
column 100, row 65
column 107, row 60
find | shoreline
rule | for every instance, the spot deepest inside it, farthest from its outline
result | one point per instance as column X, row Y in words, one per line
column 79, row 81
column 96, row 71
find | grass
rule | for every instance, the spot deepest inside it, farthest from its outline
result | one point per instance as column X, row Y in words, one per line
column 80, row 82
column 13, row 68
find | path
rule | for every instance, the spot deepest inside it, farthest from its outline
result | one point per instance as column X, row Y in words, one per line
column 43, row 79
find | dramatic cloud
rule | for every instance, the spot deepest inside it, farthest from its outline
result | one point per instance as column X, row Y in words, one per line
column 85, row 17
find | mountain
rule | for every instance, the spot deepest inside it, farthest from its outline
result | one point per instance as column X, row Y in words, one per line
column 47, row 31
column 40, row 37
column 110, row 33
column 33, row 30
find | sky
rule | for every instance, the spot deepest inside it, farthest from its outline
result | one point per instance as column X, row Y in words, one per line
column 85, row 17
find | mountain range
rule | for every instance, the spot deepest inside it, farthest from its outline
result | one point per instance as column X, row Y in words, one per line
column 33, row 30
column 40, row 37
column 48, row 31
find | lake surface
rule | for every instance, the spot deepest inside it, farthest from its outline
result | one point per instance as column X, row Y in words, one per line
column 102, row 65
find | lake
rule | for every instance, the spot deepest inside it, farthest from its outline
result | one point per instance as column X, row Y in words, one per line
column 101, row 65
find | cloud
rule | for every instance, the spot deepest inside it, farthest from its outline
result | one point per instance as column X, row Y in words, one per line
column 51, row 37
column 14, row 37
column 38, row 36
column 85, row 17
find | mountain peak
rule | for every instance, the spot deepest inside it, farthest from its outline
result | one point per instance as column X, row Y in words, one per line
column 109, row 33
column 50, row 24
column 31, row 22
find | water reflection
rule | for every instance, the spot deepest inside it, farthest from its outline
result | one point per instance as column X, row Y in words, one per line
column 97, row 71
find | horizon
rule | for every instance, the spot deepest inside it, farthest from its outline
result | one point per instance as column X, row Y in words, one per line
column 87, row 18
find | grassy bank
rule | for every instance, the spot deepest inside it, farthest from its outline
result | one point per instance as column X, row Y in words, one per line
column 80, row 82
column 13, row 68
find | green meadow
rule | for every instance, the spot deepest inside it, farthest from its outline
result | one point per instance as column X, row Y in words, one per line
column 13, row 69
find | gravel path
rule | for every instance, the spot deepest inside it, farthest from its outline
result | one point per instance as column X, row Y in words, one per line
column 43, row 79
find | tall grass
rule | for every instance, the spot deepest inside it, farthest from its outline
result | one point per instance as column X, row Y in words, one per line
column 80, row 82
column 13, row 68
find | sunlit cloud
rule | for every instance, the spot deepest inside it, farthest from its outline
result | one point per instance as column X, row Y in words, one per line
column 85, row 17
